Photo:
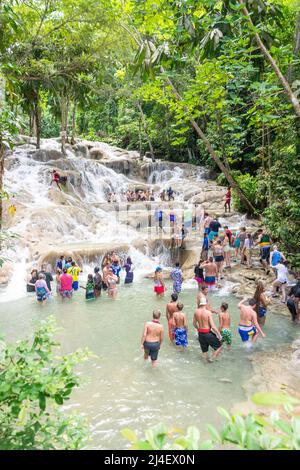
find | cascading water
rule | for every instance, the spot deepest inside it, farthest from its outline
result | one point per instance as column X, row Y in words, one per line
column 48, row 219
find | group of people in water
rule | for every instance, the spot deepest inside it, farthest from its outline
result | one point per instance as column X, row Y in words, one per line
column 218, row 246
column 67, row 278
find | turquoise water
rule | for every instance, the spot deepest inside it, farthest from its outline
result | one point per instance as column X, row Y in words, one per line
column 120, row 389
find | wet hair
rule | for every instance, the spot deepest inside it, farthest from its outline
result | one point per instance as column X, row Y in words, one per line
column 73, row 263
column 156, row 314
column 177, row 264
column 205, row 235
column 128, row 260
column 41, row 276
column 69, row 259
column 34, row 271
column 174, row 297
column 205, row 213
column 58, row 271
column 90, row 277
column 260, row 287
column 180, row 306
column 203, row 287
column 224, row 307
column 210, row 259
column 219, row 242
column 96, row 269
column 65, row 270
column 252, row 302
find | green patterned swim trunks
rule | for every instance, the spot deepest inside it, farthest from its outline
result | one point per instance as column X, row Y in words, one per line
column 226, row 336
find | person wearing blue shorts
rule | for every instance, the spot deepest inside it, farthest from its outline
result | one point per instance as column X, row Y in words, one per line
column 249, row 328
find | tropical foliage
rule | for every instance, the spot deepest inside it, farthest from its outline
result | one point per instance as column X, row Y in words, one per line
column 34, row 383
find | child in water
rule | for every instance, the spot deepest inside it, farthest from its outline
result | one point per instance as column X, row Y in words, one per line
column 89, row 288
column 225, row 323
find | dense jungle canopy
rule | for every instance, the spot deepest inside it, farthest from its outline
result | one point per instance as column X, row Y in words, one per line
column 210, row 82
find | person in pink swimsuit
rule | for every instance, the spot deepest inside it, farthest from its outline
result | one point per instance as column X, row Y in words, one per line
column 66, row 280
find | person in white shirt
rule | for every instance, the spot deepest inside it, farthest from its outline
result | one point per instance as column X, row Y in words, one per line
column 281, row 281
column 247, row 249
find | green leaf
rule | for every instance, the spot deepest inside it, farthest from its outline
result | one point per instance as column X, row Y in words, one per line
column 273, row 398
column 129, row 434
column 42, row 401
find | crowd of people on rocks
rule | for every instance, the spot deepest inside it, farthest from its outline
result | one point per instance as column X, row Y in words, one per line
column 141, row 195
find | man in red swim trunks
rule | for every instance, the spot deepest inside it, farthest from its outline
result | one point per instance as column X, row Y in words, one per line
column 208, row 333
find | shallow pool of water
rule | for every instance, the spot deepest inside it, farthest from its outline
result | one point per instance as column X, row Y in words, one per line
column 120, row 389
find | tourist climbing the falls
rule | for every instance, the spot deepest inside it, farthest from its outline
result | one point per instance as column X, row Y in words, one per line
column 262, row 302
column 89, row 288
column 293, row 301
column 207, row 222
column 152, row 338
column 208, row 333
column 66, row 281
column 211, row 272
column 98, row 282
column 74, row 270
column 225, row 325
column 276, row 257
column 199, row 274
column 246, row 252
column 248, row 327
column 281, row 280
column 264, row 241
column 159, row 285
column 170, row 193
column 227, row 250
column 176, row 276
column 180, row 327
column 205, row 248
column 171, row 307
column 218, row 251
column 55, row 179
column 116, row 268
column 41, row 289
column 112, row 281
column 228, row 199
column 128, row 266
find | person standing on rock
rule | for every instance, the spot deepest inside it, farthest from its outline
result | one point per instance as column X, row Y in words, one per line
column 293, row 301
column 228, row 199
column 276, row 257
column 205, row 248
column 248, row 327
column 218, row 252
column 227, row 250
column 211, row 272
column 207, row 222
column 247, row 250
column 214, row 228
column 208, row 333
column 171, row 308
column 281, row 281
column 262, row 302
column 152, row 338
column 176, row 276
column 181, row 327
column 264, row 241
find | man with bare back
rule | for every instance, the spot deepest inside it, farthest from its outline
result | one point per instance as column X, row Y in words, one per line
column 211, row 272
column 181, row 327
column 170, row 309
column 208, row 333
column 152, row 338
column 248, row 326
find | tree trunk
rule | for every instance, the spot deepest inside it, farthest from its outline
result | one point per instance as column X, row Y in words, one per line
column 31, row 123
column 291, row 69
column 249, row 207
column 64, row 121
column 269, row 153
column 289, row 92
column 2, row 150
column 145, row 129
column 222, row 139
column 73, row 134
column 37, row 117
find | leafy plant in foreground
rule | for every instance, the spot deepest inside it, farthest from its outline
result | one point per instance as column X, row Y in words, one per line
column 34, row 383
column 250, row 432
